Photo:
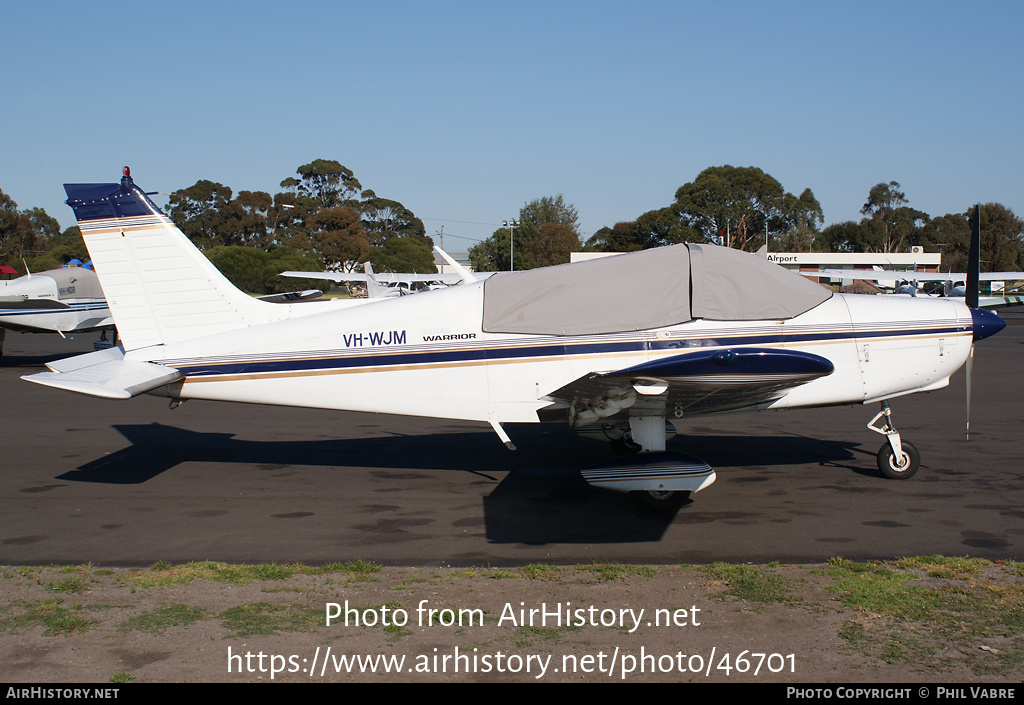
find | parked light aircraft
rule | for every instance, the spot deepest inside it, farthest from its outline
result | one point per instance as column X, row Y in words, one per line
column 65, row 300
column 383, row 285
column 70, row 300
column 624, row 343
column 954, row 284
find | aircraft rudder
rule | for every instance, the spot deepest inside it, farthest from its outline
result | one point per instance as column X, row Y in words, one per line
column 145, row 262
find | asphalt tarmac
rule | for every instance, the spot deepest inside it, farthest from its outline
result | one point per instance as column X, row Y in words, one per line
column 132, row 482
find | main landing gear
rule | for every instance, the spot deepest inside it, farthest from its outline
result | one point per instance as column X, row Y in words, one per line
column 656, row 479
column 897, row 459
column 659, row 500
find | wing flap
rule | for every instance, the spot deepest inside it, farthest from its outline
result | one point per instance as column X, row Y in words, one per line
column 105, row 374
column 701, row 382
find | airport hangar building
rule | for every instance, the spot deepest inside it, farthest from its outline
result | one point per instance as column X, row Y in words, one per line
column 917, row 260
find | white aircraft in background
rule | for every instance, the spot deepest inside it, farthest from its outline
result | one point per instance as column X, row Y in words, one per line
column 384, row 285
column 954, row 284
column 70, row 300
column 625, row 343
column 65, row 300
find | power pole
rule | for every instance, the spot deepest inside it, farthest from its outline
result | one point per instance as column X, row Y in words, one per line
column 511, row 225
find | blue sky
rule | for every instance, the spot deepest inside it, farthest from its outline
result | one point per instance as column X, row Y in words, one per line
column 464, row 111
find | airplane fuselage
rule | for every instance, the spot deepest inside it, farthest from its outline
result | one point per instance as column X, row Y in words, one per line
column 428, row 355
column 625, row 344
column 52, row 301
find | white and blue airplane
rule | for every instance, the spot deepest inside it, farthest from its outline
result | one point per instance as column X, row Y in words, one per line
column 909, row 283
column 384, row 285
column 70, row 300
column 65, row 300
column 624, row 344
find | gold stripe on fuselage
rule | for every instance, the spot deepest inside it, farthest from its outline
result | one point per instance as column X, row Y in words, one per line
column 508, row 361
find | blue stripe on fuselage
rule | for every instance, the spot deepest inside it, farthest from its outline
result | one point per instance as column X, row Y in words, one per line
column 509, row 351
column 37, row 311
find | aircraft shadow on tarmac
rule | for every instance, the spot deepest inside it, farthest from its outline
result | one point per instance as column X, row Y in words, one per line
column 541, row 499
column 30, row 352
column 34, row 362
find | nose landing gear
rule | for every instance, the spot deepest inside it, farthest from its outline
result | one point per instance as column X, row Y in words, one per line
column 897, row 459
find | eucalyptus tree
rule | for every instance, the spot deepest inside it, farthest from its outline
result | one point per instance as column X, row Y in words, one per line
column 383, row 219
column 740, row 206
column 655, row 228
column 34, row 237
column 534, row 244
column 950, row 234
column 891, row 226
column 1002, row 238
column 325, row 182
column 337, row 235
column 621, row 237
column 201, row 212
column 403, row 254
column 18, row 238
column 247, row 218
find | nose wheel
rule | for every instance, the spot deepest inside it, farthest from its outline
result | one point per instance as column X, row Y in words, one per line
column 897, row 459
column 902, row 468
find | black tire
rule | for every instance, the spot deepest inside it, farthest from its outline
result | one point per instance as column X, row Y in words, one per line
column 894, row 471
column 659, row 501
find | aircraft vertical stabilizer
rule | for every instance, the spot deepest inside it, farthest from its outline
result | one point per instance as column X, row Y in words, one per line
column 159, row 287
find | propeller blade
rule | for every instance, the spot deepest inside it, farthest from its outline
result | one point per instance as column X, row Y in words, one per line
column 971, row 297
column 970, row 366
column 974, row 260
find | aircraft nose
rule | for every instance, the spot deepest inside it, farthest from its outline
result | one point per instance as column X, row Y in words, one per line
column 986, row 323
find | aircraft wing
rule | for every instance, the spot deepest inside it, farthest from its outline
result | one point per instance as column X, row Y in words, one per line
column 1000, row 301
column 331, row 276
column 399, row 277
column 105, row 374
column 893, row 276
column 292, row 296
column 693, row 383
column 379, row 277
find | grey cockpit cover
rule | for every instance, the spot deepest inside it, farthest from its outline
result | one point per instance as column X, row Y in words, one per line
column 76, row 283
column 648, row 289
column 730, row 285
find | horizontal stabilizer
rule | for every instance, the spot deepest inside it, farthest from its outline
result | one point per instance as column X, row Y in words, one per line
column 105, row 374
